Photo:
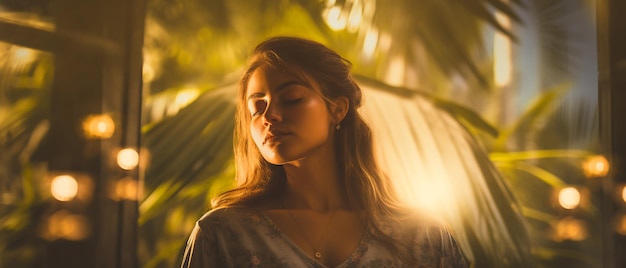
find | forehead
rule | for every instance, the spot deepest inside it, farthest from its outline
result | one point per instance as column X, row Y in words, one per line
column 266, row 79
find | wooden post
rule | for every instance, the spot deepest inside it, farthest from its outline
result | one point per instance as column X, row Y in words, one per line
column 612, row 97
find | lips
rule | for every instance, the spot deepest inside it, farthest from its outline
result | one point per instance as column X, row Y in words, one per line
column 274, row 136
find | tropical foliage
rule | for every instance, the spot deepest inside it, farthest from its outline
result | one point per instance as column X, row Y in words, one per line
column 25, row 79
column 430, row 51
column 429, row 58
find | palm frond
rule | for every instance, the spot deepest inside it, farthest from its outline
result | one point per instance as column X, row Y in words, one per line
column 578, row 121
column 195, row 144
column 427, row 147
column 417, row 28
column 435, row 163
column 542, row 174
column 533, row 119
column 24, row 87
column 451, row 35
column 537, row 154
column 451, row 45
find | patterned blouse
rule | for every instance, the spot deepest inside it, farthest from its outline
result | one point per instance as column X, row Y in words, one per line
column 241, row 237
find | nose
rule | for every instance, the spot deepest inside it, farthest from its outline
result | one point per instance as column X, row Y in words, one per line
column 272, row 115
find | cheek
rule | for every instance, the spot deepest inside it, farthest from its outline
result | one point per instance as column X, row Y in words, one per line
column 318, row 113
column 256, row 133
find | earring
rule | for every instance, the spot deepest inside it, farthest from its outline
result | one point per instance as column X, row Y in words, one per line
column 337, row 127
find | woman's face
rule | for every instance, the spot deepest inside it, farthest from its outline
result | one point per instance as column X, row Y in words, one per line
column 289, row 120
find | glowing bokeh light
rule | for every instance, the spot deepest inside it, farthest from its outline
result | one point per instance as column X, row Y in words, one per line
column 570, row 228
column 64, row 188
column 624, row 194
column 184, row 97
column 431, row 196
column 569, row 198
column 369, row 43
column 98, row 126
column 65, row 225
column 384, row 41
column 126, row 189
column 396, row 71
column 335, row 20
column 596, row 166
column 127, row 158
column 355, row 18
column 502, row 50
column 23, row 55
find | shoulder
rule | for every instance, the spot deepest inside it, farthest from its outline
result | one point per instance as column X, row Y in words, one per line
column 228, row 217
column 427, row 238
column 215, row 234
column 413, row 223
column 423, row 226
column 224, row 213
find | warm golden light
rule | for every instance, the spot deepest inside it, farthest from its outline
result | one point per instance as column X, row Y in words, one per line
column 596, row 166
column 23, row 55
column 126, row 189
column 624, row 194
column 369, row 43
column 620, row 224
column 64, row 188
column 355, row 18
column 502, row 58
column 431, row 196
column 65, row 225
column 98, row 126
column 335, row 19
column 570, row 228
column 127, row 158
column 184, row 97
column 569, row 198
column 148, row 73
column 396, row 71
column 384, row 41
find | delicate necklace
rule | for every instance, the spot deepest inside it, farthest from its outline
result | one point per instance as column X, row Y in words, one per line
column 317, row 254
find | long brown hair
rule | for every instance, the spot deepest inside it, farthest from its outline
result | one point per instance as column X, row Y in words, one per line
column 364, row 184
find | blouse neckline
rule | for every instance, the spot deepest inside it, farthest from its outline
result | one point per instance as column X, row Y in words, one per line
column 356, row 254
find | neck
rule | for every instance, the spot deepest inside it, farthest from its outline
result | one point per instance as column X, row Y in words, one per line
column 314, row 184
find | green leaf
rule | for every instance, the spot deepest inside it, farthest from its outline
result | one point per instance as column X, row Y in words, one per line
column 533, row 118
column 435, row 162
column 540, row 173
column 538, row 154
column 538, row 215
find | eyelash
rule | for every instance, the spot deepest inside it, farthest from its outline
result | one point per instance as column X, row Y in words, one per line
column 259, row 111
column 294, row 101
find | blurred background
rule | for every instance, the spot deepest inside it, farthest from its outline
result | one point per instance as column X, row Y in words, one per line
column 500, row 116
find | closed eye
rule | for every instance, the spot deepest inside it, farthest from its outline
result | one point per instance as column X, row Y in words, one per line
column 293, row 101
column 258, row 107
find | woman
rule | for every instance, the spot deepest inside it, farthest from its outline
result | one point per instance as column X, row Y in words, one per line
column 309, row 193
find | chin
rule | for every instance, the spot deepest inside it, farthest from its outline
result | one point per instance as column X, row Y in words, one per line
column 274, row 159
column 279, row 159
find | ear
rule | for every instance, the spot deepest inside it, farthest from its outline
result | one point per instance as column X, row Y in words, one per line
column 339, row 109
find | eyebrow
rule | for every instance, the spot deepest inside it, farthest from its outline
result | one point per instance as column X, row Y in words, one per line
column 276, row 89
